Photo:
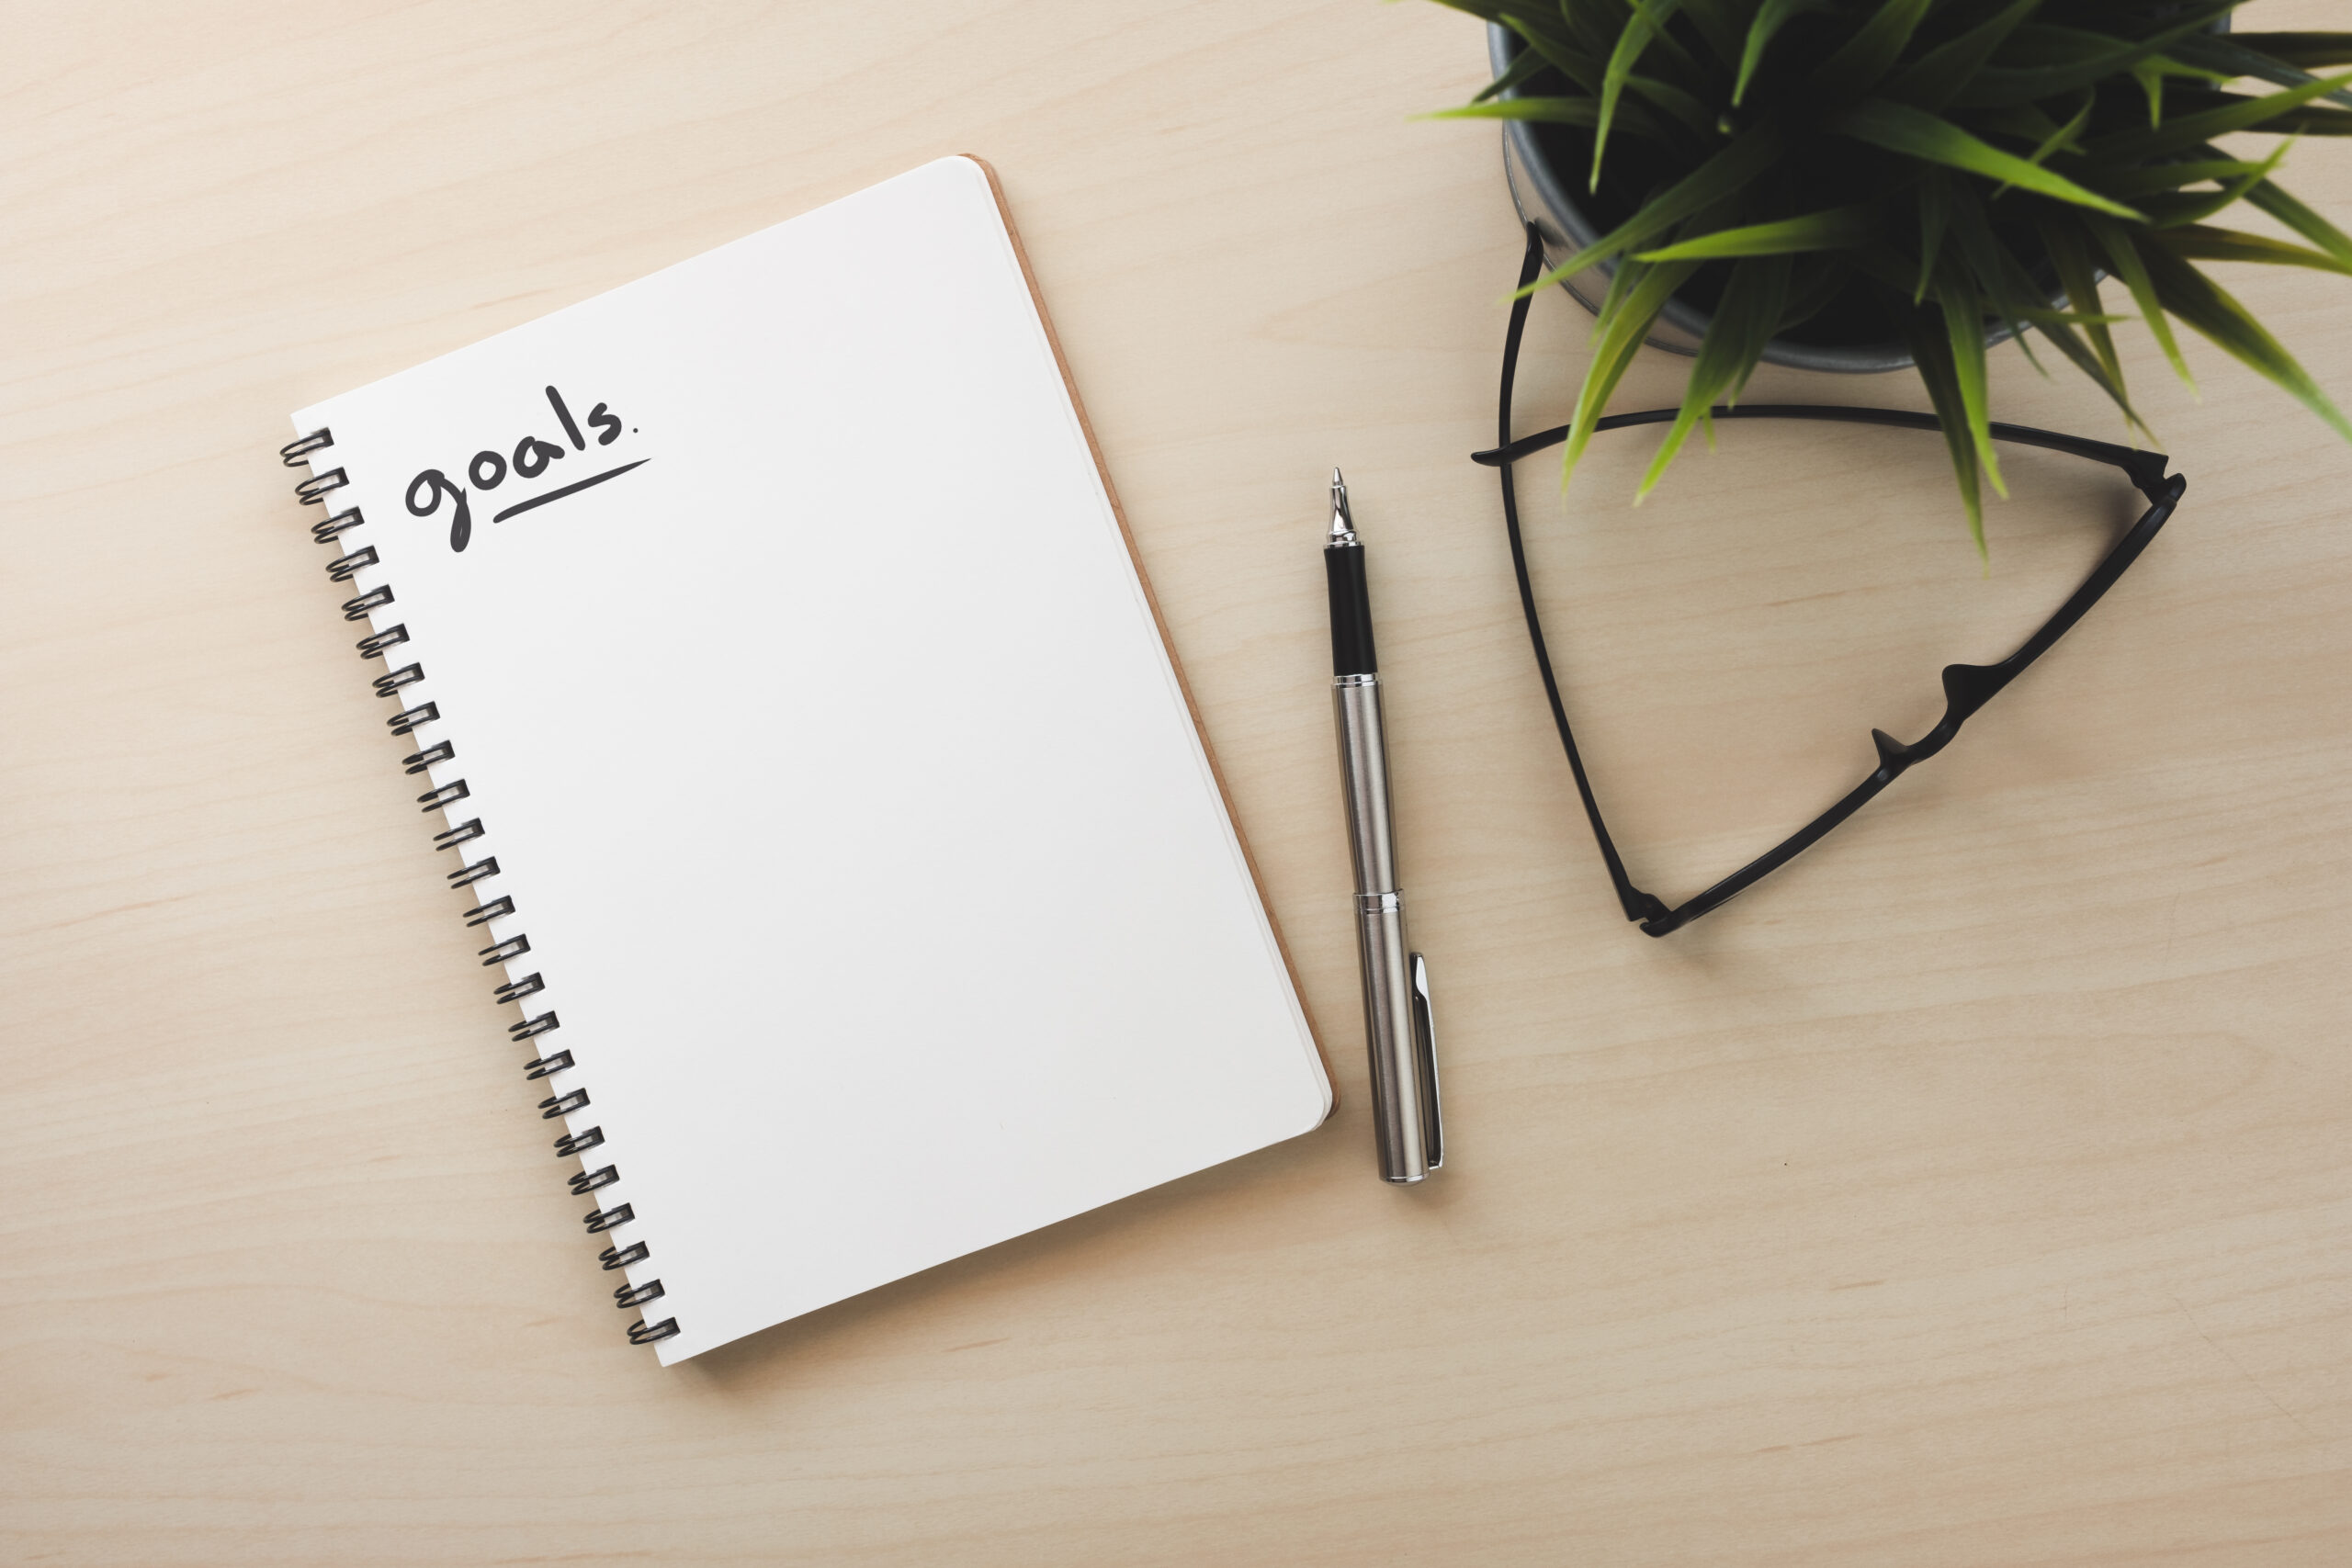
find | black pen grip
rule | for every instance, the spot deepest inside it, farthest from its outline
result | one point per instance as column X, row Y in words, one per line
column 1351, row 651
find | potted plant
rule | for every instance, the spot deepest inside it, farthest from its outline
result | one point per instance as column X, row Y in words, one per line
column 1865, row 184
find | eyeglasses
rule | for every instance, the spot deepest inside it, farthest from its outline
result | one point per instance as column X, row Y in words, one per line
column 1967, row 687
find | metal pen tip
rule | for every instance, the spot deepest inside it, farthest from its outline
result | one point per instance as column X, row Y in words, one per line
column 1343, row 526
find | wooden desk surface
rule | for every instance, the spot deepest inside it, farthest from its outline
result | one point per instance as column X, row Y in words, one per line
column 1976, row 1192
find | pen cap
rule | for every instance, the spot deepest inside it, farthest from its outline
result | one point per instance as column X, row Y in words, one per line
column 1351, row 651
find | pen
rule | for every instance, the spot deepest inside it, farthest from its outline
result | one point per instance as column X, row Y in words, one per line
column 1399, row 1028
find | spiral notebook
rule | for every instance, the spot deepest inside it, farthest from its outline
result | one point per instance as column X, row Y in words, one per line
column 799, row 730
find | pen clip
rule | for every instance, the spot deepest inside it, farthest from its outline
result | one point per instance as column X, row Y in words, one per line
column 1425, row 1061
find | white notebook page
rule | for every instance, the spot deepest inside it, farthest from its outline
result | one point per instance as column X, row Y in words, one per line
column 832, row 757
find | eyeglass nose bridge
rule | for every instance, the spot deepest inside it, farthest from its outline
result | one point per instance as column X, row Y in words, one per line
column 1967, row 687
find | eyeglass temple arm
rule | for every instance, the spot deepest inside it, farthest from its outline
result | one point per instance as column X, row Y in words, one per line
column 2146, row 470
column 1638, row 905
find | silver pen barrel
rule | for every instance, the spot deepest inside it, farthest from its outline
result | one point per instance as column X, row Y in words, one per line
column 1404, row 1108
column 1400, row 1030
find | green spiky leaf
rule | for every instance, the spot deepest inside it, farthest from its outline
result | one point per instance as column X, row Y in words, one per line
column 1643, row 26
column 2327, row 236
column 1744, row 322
column 2123, row 253
column 2312, row 52
column 2076, row 58
column 1899, row 127
column 1613, row 354
column 2070, row 255
column 1724, row 174
column 1965, row 329
column 2237, row 114
column 1932, row 349
column 2198, row 242
column 2220, row 320
column 1581, row 112
column 1770, row 18
column 1932, row 81
column 2228, row 59
column 1515, row 76
column 1840, row 229
column 1866, row 57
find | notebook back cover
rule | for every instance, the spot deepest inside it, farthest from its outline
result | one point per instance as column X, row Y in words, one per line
column 811, row 703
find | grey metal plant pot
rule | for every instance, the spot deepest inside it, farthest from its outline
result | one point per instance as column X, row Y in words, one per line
column 1544, row 199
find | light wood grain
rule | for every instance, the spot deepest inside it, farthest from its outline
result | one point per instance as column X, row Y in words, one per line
column 1975, row 1193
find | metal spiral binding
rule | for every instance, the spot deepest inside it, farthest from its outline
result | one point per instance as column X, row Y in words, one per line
column 417, row 762
column 346, row 567
column 407, row 675
column 448, row 795
column 341, row 523
column 515, row 991
column 482, row 914
column 578, row 1142
column 366, row 604
column 314, row 491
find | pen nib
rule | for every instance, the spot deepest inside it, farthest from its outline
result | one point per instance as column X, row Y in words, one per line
column 1343, row 526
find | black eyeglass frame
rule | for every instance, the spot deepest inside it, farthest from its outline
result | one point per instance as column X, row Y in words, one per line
column 1967, row 687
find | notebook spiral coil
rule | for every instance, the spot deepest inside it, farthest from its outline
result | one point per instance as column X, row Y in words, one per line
column 316, row 491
